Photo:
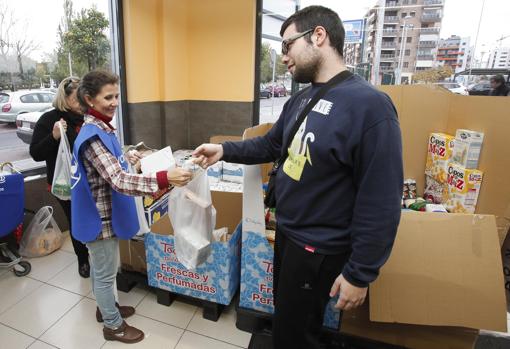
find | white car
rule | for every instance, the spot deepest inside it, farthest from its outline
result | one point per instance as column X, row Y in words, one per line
column 15, row 103
column 454, row 87
column 25, row 124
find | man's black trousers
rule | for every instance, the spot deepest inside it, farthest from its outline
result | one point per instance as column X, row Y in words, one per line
column 302, row 281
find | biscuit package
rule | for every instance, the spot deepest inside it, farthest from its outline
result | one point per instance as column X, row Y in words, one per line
column 439, row 153
column 463, row 188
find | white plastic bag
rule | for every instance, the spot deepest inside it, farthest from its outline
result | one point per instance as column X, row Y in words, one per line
column 193, row 218
column 140, row 213
column 43, row 236
column 61, row 185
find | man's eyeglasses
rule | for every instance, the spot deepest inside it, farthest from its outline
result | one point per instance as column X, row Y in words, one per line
column 286, row 43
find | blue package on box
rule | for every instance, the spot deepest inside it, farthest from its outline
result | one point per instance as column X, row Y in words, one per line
column 215, row 171
column 257, row 254
column 232, row 172
column 157, row 210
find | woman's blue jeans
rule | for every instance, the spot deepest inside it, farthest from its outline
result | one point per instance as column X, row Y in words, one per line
column 103, row 272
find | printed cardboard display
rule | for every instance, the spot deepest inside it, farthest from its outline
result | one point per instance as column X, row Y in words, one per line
column 215, row 280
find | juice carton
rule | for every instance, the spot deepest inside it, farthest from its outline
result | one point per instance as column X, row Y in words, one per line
column 468, row 145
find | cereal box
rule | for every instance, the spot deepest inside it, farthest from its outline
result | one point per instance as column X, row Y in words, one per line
column 467, row 147
column 463, row 188
column 439, row 154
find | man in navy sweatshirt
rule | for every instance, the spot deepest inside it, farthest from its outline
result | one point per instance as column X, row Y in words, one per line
column 339, row 191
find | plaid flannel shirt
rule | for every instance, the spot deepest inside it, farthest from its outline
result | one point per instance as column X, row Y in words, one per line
column 105, row 174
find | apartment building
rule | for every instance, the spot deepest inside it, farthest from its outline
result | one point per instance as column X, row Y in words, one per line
column 454, row 52
column 499, row 58
column 409, row 34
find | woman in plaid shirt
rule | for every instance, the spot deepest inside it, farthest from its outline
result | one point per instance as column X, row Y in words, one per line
column 103, row 190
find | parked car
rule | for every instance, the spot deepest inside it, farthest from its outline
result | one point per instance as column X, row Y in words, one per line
column 13, row 104
column 279, row 90
column 454, row 87
column 25, row 124
column 480, row 89
column 265, row 91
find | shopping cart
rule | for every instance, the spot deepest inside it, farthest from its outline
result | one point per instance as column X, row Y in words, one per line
column 12, row 191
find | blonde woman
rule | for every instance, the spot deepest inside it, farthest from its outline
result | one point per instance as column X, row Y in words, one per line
column 44, row 147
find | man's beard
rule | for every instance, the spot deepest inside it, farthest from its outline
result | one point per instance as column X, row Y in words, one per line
column 307, row 72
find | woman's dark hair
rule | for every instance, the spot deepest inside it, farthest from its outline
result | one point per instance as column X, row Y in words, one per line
column 313, row 16
column 498, row 78
column 92, row 83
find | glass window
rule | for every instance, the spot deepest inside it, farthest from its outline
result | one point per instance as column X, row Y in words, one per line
column 44, row 43
column 30, row 98
column 407, row 52
column 409, row 39
column 406, row 64
column 46, row 97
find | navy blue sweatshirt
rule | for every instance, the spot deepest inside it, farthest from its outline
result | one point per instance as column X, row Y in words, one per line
column 340, row 189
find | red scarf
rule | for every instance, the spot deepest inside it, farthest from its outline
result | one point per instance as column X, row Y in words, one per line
column 101, row 117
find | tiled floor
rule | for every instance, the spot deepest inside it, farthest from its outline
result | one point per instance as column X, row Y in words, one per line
column 53, row 307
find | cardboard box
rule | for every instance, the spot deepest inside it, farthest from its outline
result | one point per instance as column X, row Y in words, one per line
column 440, row 263
column 467, row 148
column 217, row 279
column 157, row 210
column 444, row 270
column 132, row 255
column 463, row 188
column 422, row 111
column 357, row 323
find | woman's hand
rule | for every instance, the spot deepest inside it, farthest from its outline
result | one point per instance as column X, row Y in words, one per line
column 133, row 156
column 178, row 177
column 56, row 129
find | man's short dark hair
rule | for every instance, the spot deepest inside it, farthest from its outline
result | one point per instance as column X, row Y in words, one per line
column 313, row 16
column 498, row 78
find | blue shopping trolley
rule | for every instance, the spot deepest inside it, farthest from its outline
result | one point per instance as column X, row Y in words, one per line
column 12, row 192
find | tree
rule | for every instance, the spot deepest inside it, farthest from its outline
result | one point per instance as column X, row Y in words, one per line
column 7, row 23
column 23, row 45
column 86, row 39
column 266, row 65
column 434, row 74
column 266, row 69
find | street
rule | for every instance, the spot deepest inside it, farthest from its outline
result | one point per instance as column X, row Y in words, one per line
column 12, row 149
column 270, row 108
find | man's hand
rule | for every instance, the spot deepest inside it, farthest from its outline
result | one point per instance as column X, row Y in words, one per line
column 208, row 154
column 350, row 295
column 178, row 177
